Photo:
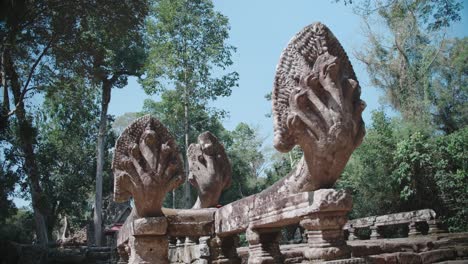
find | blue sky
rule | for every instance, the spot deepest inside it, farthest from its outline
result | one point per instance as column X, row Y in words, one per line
column 260, row 30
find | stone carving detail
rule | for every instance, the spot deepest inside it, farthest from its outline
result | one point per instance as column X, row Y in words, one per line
column 316, row 105
column 209, row 170
column 146, row 166
column 410, row 218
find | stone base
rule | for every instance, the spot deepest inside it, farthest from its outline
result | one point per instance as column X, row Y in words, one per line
column 148, row 243
column 264, row 246
column 328, row 253
column 224, row 250
column 149, row 250
column 325, row 236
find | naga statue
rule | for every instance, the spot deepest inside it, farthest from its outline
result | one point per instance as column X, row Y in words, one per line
column 316, row 105
column 146, row 166
column 209, row 170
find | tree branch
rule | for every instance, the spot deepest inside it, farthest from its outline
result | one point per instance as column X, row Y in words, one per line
column 25, row 89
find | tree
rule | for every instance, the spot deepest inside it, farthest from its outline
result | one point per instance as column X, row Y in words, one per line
column 450, row 86
column 402, row 57
column 28, row 31
column 67, row 125
column 8, row 180
column 452, row 178
column 368, row 173
column 401, row 167
column 121, row 122
column 107, row 48
column 43, row 38
column 433, row 13
column 243, row 146
column 186, row 43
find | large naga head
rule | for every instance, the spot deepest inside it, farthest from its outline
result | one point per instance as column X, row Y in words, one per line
column 316, row 103
column 146, row 166
column 209, row 169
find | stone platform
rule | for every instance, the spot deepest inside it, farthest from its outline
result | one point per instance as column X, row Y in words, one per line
column 438, row 248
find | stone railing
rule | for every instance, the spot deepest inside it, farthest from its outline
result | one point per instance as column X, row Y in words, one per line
column 211, row 235
column 186, row 234
column 321, row 213
column 375, row 223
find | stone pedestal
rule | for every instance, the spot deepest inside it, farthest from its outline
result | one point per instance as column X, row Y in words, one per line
column 325, row 236
column 149, row 243
column 224, row 250
column 264, row 246
column 412, row 231
column 375, row 233
column 434, row 226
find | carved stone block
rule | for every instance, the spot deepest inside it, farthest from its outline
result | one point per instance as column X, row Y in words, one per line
column 325, row 236
column 264, row 246
column 149, row 243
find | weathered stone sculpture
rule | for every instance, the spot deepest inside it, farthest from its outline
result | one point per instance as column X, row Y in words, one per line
column 209, row 170
column 316, row 105
column 146, row 166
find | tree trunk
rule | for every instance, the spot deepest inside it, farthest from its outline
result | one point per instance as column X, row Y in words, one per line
column 101, row 139
column 27, row 138
column 188, row 202
column 6, row 98
column 65, row 229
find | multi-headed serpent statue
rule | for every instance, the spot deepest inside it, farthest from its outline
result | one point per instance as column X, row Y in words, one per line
column 316, row 105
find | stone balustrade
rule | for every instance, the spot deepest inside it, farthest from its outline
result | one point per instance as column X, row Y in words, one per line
column 212, row 234
column 375, row 223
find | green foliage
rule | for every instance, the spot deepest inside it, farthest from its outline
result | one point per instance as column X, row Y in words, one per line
column 18, row 227
column 243, row 146
column 66, row 146
column 104, row 45
column 413, row 172
column 123, row 121
column 451, row 86
column 368, row 173
column 186, row 42
column 452, row 178
column 401, row 167
column 421, row 73
column 8, row 180
column 434, row 14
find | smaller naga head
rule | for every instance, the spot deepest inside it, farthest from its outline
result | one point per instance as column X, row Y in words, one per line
column 146, row 166
column 209, row 169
